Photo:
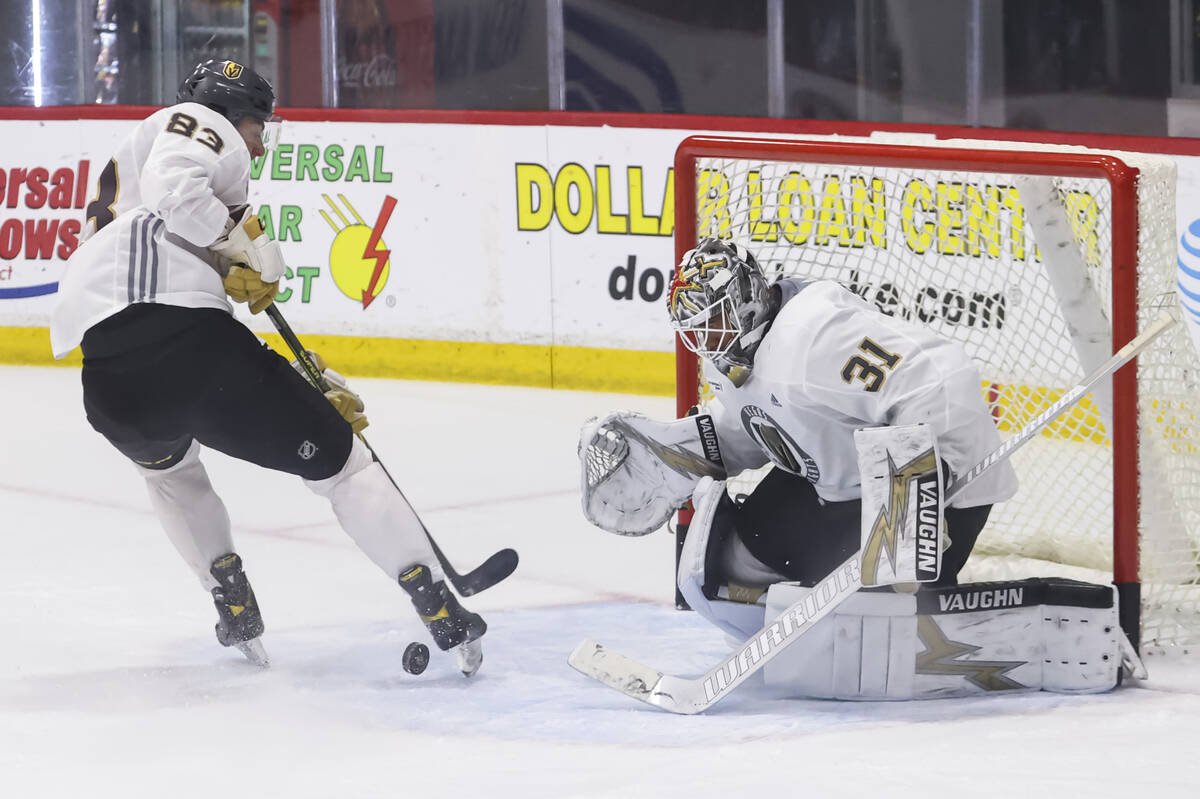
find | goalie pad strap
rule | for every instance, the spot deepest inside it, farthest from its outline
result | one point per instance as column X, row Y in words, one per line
column 1027, row 635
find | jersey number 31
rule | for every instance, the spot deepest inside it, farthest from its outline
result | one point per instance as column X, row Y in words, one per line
column 873, row 369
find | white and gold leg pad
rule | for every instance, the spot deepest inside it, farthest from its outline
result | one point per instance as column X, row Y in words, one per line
column 1028, row 635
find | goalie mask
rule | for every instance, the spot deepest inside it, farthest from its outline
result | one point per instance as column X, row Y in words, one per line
column 720, row 306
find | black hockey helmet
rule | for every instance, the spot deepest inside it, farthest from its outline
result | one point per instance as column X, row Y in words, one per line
column 230, row 88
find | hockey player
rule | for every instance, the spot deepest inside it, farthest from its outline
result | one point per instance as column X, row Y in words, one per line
column 167, row 368
column 795, row 368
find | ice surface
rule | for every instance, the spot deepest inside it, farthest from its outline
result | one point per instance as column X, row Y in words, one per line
column 112, row 684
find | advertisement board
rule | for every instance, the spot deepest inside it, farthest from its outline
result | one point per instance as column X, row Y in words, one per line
column 488, row 247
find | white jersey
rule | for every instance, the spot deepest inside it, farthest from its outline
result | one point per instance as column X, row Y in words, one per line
column 162, row 200
column 830, row 364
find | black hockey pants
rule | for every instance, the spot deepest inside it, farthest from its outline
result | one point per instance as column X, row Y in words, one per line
column 155, row 377
column 786, row 526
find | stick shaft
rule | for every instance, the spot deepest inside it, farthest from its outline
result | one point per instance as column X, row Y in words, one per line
column 1063, row 403
column 318, row 380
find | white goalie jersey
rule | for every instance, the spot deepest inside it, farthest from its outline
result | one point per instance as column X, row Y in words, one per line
column 831, row 364
column 161, row 201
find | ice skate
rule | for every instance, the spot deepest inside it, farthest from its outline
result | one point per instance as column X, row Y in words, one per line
column 454, row 628
column 240, row 623
column 469, row 656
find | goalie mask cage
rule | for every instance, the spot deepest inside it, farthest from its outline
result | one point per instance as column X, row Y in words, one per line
column 1041, row 261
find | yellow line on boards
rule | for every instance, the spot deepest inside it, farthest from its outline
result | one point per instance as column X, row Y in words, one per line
column 30, row 346
column 577, row 368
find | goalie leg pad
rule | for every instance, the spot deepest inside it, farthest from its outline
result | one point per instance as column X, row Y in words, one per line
column 982, row 638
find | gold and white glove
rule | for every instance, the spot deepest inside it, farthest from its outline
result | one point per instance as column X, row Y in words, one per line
column 243, row 284
column 344, row 401
column 257, row 262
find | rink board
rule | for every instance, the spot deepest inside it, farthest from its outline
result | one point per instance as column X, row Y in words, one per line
column 524, row 248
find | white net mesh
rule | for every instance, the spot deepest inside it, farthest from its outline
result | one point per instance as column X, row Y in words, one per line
column 961, row 252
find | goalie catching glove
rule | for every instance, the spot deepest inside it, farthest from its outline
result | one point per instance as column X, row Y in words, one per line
column 635, row 472
column 344, row 401
column 257, row 262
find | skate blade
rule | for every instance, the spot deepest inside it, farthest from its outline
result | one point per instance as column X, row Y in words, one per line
column 254, row 652
column 470, row 657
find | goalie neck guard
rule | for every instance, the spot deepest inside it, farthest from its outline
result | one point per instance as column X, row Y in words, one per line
column 720, row 305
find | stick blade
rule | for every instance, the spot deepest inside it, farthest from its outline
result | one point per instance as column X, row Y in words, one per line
column 617, row 671
column 496, row 568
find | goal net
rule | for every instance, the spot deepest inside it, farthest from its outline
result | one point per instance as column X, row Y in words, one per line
column 1040, row 261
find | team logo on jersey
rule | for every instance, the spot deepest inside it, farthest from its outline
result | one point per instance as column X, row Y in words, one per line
column 772, row 439
column 233, row 70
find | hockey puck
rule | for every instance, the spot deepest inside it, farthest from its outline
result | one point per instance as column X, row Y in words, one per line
column 416, row 658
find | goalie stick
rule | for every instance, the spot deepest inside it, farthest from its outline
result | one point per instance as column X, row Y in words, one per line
column 690, row 695
column 497, row 567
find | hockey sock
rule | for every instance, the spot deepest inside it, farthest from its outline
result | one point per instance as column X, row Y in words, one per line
column 190, row 511
column 376, row 515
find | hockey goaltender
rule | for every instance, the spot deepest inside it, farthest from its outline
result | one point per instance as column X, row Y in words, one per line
column 836, row 576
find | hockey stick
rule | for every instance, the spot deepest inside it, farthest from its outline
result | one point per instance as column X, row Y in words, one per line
column 696, row 694
column 1122, row 356
column 497, row 567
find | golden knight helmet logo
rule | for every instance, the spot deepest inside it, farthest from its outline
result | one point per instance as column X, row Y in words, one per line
column 233, row 70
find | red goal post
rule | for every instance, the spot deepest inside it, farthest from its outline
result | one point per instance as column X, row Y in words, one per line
column 869, row 213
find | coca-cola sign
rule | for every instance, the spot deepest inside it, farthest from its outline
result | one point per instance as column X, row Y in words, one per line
column 379, row 71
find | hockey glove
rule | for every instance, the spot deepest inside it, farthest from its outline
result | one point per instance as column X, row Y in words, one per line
column 344, row 401
column 243, row 284
column 245, row 242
